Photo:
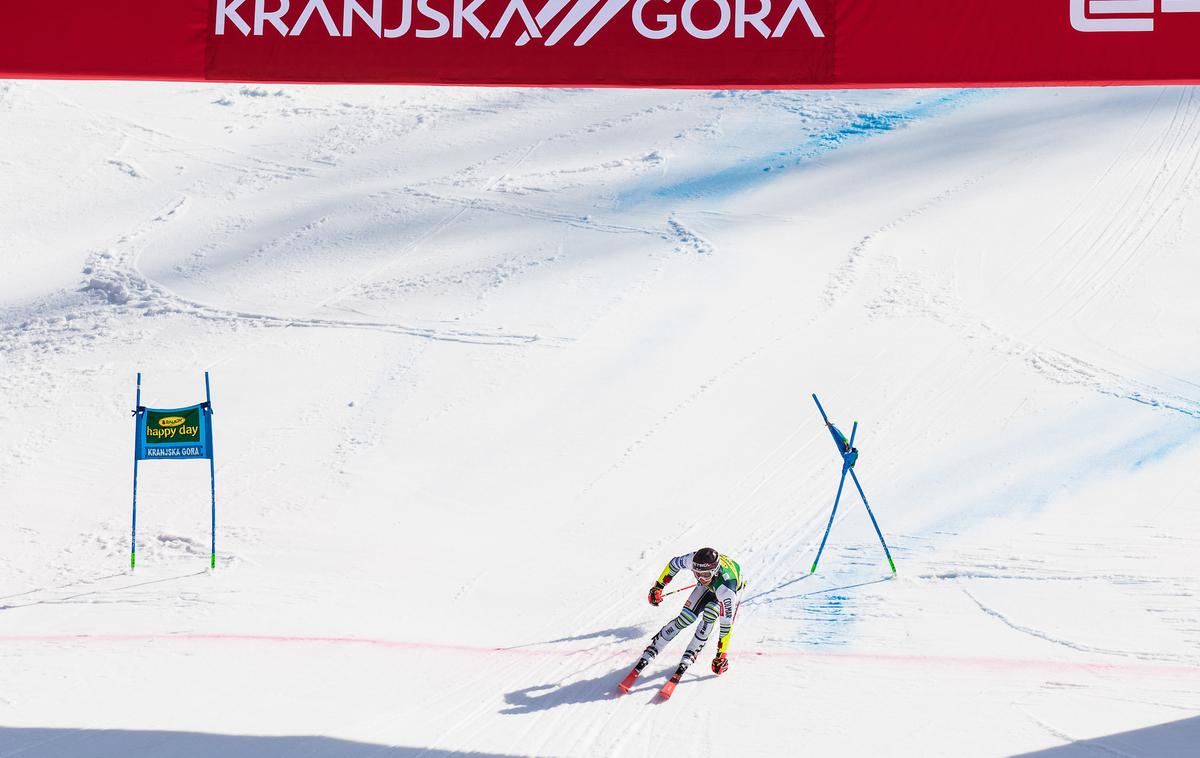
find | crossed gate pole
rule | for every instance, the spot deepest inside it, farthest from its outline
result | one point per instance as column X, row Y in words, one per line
column 849, row 455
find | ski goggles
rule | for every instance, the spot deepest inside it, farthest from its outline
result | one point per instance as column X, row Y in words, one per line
column 705, row 573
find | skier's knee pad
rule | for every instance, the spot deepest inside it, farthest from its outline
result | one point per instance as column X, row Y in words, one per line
column 706, row 623
column 685, row 618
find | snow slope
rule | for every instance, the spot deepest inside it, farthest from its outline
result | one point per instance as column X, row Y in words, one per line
column 483, row 360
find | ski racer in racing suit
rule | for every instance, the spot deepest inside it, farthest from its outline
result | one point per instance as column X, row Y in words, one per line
column 718, row 582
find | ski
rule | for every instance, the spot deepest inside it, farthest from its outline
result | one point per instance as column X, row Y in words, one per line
column 629, row 679
column 669, row 688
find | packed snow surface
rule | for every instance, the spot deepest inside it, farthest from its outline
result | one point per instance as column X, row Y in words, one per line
column 483, row 360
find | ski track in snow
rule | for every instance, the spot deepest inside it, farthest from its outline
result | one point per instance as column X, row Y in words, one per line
column 1191, row 660
column 844, row 278
column 114, row 275
column 1068, row 739
column 909, row 296
column 534, row 214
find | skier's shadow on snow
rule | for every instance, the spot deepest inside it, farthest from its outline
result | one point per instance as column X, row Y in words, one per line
column 619, row 634
column 543, row 697
column 758, row 599
column 546, row 696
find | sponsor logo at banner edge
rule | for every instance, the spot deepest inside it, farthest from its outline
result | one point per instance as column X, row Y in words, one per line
column 735, row 19
column 171, row 421
column 1123, row 15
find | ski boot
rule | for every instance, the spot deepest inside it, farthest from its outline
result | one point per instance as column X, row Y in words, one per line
column 668, row 689
column 632, row 676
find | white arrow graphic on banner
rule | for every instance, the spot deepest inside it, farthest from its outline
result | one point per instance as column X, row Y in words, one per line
column 610, row 9
column 548, row 11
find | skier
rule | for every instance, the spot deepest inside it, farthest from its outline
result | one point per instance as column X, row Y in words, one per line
column 718, row 580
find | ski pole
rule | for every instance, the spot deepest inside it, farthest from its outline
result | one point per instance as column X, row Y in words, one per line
column 681, row 589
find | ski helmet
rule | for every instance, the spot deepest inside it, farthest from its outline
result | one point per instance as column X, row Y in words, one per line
column 705, row 560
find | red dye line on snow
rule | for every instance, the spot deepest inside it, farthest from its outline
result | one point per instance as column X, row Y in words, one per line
column 1002, row 664
column 279, row 638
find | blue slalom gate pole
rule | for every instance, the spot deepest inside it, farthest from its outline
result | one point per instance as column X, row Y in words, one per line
column 849, row 455
column 822, row 410
column 874, row 523
column 137, row 405
column 829, row 526
column 846, row 464
column 212, row 474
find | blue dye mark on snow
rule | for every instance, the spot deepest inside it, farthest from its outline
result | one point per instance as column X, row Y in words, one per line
column 742, row 175
column 1158, row 448
column 827, row 618
column 1069, row 462
column 825, row 608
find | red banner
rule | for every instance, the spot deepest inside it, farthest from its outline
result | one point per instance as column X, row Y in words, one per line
column 666, row 43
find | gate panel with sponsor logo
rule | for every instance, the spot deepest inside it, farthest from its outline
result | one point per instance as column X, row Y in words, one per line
column 174, row 433
column 688, row 43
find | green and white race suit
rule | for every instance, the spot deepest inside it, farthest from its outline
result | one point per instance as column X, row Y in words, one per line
column 709, row 603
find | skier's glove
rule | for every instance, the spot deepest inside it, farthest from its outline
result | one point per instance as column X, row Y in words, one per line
column 720, row 664
column 655, row 596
